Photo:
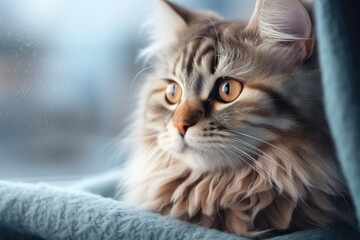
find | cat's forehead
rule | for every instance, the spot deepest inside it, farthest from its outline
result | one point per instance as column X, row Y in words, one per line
column 195, row 66
column 205, row 55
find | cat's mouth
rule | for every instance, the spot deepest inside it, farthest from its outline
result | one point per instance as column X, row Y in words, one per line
column 180, row 145
column 186, row 145
column 177, row 144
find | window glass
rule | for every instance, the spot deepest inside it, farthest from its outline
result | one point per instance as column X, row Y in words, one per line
column 66, row 67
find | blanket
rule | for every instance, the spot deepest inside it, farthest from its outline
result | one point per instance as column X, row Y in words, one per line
column 38, row 211
column 87, row 210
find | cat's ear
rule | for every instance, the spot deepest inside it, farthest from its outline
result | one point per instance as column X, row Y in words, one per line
column 167, row 24
column 163, row 27
column 172, row 17
column 285, row 22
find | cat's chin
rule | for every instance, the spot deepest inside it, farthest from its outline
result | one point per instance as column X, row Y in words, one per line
column 197, row 160
column 189, row 156
column 175, row 147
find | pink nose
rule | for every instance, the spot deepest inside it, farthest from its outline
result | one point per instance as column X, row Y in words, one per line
column 182, row 126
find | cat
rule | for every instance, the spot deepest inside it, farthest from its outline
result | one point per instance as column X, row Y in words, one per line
column 231, row 132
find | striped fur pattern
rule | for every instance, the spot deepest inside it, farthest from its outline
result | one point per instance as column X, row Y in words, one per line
column 258, row 165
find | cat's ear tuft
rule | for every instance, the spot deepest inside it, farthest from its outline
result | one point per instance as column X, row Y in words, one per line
column 172, row 17
column 284, row 21
column 164, row 26
column 176, row 13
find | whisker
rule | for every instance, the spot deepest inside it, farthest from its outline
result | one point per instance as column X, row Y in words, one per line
column 260, row 140
column 138, row 74
column 259, row 152
column 217, row 35
column 250, row 165
column 232, row 165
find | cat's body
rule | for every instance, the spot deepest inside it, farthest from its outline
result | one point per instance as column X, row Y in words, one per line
column 231, row 128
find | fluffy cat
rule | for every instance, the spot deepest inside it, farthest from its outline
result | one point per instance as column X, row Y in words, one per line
column 230, row 126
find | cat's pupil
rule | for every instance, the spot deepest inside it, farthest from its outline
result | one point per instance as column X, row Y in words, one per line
column 226, row 88
column 173, row 90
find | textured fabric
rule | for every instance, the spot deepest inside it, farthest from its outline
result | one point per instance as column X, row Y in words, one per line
column 38, row 210
column 338, row 35
column 42, row 212
column 58, row 214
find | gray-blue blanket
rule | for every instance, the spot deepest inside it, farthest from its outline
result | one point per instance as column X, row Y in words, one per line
column 43, row 212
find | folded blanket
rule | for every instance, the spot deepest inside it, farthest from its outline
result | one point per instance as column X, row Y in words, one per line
column 43, row 212
column 38, row 211
column 339, row 49
column 52, row 213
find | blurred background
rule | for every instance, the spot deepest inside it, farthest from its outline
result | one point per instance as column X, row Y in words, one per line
column 66, row 67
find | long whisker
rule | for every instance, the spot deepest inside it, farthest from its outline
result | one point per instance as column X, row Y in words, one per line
column 232, row 165
column 259, row 152
column 128, row 139
column 138, row 74
column 263, row 141
column 250, row 165
column 243, row 160
column 216, row 32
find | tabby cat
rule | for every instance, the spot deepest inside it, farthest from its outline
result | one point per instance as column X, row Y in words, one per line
column 230, row 126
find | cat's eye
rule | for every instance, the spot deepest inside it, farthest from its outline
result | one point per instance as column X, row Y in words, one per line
column 229, row 90
column 173, row 93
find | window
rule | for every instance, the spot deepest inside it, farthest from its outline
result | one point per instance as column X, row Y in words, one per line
column 65, row 71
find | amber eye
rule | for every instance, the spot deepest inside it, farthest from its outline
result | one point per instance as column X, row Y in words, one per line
column 173, row 93
column 229, row 90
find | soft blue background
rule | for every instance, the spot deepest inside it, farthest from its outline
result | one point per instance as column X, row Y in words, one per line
column 65, row 73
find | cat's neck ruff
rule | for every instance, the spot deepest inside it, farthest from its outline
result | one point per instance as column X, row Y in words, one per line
column 249, row 200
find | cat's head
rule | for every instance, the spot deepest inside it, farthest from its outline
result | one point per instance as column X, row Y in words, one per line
column 222, row 92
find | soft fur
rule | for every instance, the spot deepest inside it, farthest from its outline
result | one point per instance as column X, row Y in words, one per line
column 261, row 163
